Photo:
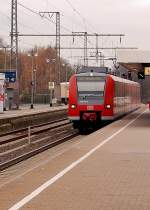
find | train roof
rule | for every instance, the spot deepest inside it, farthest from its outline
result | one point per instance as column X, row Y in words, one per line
column 119, row 79
column 101, row 71
column 91, row 74
column 94, row 69
column 115, row 78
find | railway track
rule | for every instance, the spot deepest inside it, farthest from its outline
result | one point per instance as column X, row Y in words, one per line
column 21, row 144
column 22, row 133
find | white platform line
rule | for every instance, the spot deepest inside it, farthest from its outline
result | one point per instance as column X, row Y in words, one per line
column 40, row 189
column 38, row 165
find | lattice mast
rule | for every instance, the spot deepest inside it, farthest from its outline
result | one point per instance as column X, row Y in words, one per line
column 14, row 37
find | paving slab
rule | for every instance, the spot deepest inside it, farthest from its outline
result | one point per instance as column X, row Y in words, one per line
column 25, row 110
column 115, row 176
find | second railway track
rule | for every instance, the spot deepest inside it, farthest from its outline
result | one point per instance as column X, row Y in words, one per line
column 22, row 133
column 19, row 145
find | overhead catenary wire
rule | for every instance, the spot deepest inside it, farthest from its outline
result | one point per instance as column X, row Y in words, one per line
column 20, row 23
column 67, row 17
column 74, row 9
column 45, row 17
column 37, row 13
column 33, row 11
column 80, row 15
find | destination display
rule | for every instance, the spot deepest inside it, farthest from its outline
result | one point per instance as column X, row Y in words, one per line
column 91, row 78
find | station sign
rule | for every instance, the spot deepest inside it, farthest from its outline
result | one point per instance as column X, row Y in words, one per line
column 51, row 85
column 10, row 76
column 147, row 71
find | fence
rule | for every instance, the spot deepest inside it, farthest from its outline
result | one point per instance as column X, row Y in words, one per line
column 38, row 99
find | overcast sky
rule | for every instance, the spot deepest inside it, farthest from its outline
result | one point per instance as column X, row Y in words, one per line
column 131, row 17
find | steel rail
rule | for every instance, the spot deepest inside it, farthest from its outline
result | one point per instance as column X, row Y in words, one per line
column 33, row 132
column 32, row 153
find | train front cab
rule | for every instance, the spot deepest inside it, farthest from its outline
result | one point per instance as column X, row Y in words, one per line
column 90, row 99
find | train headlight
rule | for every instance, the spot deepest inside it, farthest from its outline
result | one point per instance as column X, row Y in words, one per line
column 73, row 106
column 108, row 106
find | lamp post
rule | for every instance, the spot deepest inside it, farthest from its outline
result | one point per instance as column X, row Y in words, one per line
column 66, row 78
column 50, row 84
column 33, row 84
column 32, row 54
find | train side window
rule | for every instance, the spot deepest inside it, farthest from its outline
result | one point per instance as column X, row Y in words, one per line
column 116, row 89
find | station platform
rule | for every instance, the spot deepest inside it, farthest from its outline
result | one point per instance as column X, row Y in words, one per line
column 25, row 116
column 25, row 110
column 106, row 170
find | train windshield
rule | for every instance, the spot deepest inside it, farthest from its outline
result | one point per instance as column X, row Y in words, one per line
column 91, row 90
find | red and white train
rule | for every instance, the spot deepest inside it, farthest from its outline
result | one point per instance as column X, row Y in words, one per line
column 95, row 96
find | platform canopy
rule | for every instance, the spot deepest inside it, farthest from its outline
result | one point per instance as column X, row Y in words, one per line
column 133, row 60
column 133, row 56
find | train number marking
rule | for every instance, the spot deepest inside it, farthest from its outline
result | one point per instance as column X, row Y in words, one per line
column 90, row 108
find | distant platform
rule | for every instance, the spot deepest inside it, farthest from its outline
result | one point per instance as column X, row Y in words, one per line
column 25, row 110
